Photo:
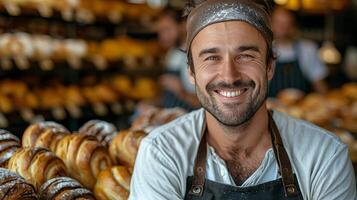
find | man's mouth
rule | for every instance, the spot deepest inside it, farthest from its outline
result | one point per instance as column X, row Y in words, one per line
column 231, row 93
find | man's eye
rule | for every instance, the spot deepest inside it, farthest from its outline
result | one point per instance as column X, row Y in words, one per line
column 212, row 58
column 246, row 56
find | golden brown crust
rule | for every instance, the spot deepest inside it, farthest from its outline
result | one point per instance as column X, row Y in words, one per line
column 44, row 134
column 14, row 187
column 124, row 147
column 64, row 188
column 113, row 184
column 37, row 165
column 84, row 157
column 102, row 130
column 9, row 144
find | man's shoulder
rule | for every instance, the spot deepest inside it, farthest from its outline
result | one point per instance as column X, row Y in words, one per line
column 305, row 141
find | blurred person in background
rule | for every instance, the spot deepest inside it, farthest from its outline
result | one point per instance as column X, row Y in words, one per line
column 177, row 90
column 298, row 65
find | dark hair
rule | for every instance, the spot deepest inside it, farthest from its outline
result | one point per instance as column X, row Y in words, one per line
column 173, row 13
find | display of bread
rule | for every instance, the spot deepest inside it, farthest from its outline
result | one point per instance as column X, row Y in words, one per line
column 102, row 130
column 37, row 165
column 113, row 184
column 9, row 144
column 124, row 147
column 150, row 117
column 84, row 11
column 44, row 134
column 64, row 188
column 84, row 157
column 14, row 187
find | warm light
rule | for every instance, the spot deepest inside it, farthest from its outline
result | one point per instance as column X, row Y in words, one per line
column 281, row 2
column 329, row 54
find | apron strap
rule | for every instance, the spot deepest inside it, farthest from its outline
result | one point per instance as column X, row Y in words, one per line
column 199, row 177
column 285, row 168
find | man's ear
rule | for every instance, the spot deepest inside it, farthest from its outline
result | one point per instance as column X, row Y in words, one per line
column 191, row 75
column 271, row 69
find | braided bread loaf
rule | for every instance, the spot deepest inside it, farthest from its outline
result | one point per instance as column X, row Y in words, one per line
column 113, row 184
column 64, row 188
column 103, row 131
column 36, row 165
column 84, row 157
column 9, row 144
column 14, row 187
column 44, row 134
column 124, row 147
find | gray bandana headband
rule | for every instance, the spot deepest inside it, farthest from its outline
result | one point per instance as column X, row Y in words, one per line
column 214, row 11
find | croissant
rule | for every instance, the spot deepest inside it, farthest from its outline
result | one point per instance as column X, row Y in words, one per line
column 103, row 131
column 84, row 157
column 124, row 147
column 36, row 165
column 9, row 144
column 44, row 134
column 64, row 188
column 113, row 184
column 14, row 187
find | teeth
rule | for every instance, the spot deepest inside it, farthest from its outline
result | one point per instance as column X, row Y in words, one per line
column 231, row 94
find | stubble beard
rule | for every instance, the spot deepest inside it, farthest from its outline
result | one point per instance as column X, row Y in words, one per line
column 232, row 114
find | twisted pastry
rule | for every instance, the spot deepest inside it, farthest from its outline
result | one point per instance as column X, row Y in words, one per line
column 9, row 144
column 124, row 147
column 64, row 188
column 36, row 165
column 44, row 134
column 102, row 130
column 84, row 157
column 113, row 184
column 14, row 187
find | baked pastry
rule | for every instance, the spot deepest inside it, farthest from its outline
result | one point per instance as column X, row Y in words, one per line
column 124, row 147
column 84, row 157
column 64, row 188
column 290, row 96
column 102, row 130
column 14, row 187
column 37, row 165
column 44, row 134
column 9, row 144
column 113, row 184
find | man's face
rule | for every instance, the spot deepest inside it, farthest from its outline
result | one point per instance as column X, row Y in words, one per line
column 283, row 24
column 168, row 31
column 230, row 71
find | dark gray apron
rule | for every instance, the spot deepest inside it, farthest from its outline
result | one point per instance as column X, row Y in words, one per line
column 284, row 188
column 289, row 75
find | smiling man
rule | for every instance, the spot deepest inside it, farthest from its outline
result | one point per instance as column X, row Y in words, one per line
column 234, row 148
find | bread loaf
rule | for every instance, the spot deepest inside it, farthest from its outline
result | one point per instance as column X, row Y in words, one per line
column 36, row 165
column 9, row 144
column 84, row 157
column 14, row 187
column 113, row 184
column 103, row 131
column 44, row 134
column 124, row 147
column 64, row 188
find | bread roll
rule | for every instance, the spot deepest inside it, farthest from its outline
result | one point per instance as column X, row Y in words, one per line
column 124, row 147
column 64, row 188
column 9, row 144
column 14, row 187
column 84, row 157
column 113, row 184
column 37, row 165
column 44, row 134
column 103, row 131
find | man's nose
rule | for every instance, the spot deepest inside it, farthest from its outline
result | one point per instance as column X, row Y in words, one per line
column 230, row 72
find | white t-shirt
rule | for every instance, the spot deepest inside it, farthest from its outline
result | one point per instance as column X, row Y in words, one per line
column 166, row 158
column 308, row 57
